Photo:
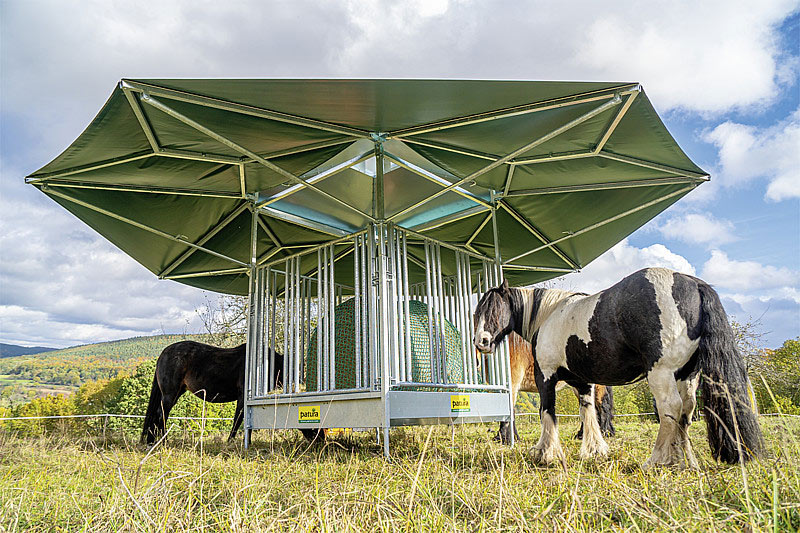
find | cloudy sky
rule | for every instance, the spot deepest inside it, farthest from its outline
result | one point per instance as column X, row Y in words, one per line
column 722, row 74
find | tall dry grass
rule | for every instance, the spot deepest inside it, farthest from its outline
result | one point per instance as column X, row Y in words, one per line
column 439, row 478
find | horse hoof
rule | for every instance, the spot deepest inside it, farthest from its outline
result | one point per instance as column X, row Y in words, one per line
column 545, row 457
column 597, row 449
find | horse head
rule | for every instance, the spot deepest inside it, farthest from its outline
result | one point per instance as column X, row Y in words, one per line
column 494, row 318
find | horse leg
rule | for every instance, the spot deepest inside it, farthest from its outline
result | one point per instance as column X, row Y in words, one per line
column 237, row 418
column 593, row 442
column 168, row 401
column 687, row 389
column 604, row 404
column 548, row 449
column 668, row 449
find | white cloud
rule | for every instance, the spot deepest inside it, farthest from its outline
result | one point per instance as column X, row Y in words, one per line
column 708, row 57
column 748, row 153
column 696, row 228
column 618, row 262
column 62, row 284
column 727, row 273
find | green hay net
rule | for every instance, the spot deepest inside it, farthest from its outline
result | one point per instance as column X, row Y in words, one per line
column 345, row 336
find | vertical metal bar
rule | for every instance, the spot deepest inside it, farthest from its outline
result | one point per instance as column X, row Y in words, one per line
column 332, row 318
column 299, row 324
column 461, row 324
column 357, row 311
column 306, row 303
column 385, row 341
column 287, row 288
column 440, row 296
column 262, row 324
column 309, row 296
column 366, row 324
column 248, row 362
column 471, row 357
column 505, row 356
column 324, row 329
column 374, row 366
column 458, row 300
column 320, row 320
column 301, row 321
column 273, row 330
column 406, row 312
column 398, row 306
column 391, row 307
column 481, row 289
column 428, row 267
column 288, row 333
column 264, row 360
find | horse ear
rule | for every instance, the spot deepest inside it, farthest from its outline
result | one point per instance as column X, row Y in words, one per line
column 504, row 285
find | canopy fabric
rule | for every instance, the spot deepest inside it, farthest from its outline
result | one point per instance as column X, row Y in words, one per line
column 170, row 170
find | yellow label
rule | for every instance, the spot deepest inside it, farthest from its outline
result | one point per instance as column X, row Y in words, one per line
column 308, row 413
column 459, row 403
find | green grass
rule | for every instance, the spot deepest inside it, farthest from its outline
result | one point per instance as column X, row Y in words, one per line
column 459, row 480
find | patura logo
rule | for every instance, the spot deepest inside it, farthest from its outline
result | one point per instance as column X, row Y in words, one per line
column 459, row 403
column 308, row 413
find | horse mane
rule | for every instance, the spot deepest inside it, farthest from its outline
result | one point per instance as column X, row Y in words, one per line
column 537, row 305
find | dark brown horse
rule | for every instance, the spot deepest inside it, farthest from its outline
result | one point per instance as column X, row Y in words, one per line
column 213, row 374
column 522, row 379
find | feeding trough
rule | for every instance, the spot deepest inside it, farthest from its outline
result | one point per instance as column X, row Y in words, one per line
column 399, row 200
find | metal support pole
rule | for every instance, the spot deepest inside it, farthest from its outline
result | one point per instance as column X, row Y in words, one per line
column 273, row 331
column 332, row 317
column 357, row 310
column 320, row 319
column 286, row 327
column 505, row 362
column 247, row 392
column 383, row 297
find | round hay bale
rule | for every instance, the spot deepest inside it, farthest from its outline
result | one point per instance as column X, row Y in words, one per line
column 345, row 336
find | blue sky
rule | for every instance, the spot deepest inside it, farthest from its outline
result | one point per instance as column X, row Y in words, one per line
column 722, row 74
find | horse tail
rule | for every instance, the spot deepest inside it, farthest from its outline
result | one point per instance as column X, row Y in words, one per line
column 153, row 413
column 604, row 405
column 733, row 431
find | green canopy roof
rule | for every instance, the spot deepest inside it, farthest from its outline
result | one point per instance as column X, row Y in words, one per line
column 170, row 170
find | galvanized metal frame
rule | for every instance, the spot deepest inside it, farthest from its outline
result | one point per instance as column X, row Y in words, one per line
column 381, row 290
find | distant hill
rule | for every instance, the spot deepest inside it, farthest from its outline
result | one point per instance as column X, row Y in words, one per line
column 12, row 350
column 75, row 366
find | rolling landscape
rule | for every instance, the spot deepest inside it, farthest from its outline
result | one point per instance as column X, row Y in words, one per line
column 33, row 374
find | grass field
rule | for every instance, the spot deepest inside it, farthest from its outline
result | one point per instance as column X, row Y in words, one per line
column 438, row 479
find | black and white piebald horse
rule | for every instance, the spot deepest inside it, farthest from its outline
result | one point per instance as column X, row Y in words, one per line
column 656, row 323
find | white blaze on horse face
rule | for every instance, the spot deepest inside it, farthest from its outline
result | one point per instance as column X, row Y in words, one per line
column 483, row 339
column 571, row 317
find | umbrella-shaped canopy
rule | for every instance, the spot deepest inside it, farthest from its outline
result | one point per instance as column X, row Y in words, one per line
column 171, row 171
